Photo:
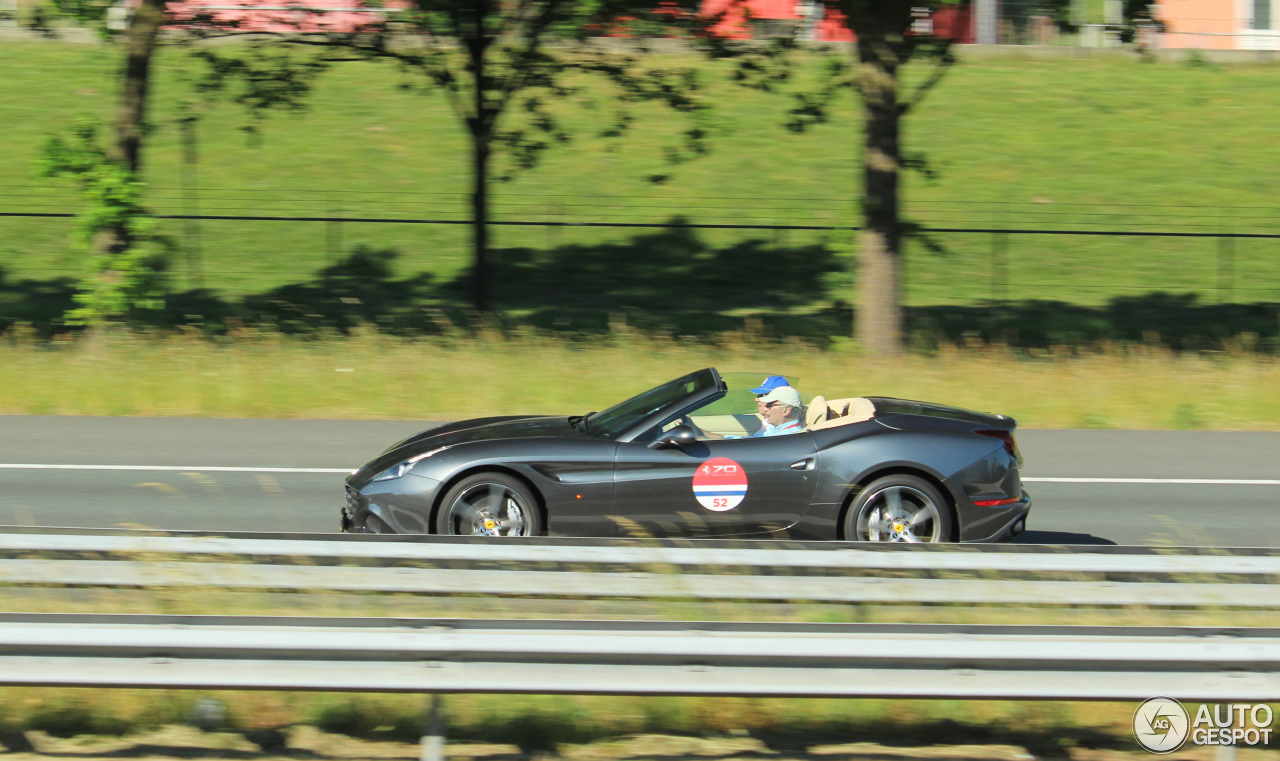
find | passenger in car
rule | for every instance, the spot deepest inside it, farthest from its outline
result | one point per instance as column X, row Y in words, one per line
column 784, row 412
column 769, row 384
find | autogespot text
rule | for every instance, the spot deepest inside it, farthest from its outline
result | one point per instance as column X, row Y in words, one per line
column 1232, row 724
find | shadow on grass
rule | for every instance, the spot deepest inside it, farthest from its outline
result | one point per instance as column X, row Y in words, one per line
column 1040, row 741
column 36, row 302
column 1176, row 320
column 667, row 281
column 664, row 280
column 804, row 744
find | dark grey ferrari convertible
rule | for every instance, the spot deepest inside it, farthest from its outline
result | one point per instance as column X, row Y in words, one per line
column 706, row 455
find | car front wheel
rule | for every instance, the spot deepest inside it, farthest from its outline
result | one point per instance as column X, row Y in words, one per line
column 489, row 504
column 899, row 508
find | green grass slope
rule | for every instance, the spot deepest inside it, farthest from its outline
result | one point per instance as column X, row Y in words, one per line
column 1065, row 144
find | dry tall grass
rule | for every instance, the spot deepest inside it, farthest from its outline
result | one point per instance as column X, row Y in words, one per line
column 379, row 377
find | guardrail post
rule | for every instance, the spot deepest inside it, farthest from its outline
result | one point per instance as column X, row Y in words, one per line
column 433, row 739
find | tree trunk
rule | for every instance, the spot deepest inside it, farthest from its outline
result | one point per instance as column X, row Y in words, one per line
column 481, row 129
column 131, row 113
column 480, row 218
column 881, row 36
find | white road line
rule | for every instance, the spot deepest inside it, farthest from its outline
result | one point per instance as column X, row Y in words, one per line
column 223, row 469
column 197, row 468
column 1187, row 481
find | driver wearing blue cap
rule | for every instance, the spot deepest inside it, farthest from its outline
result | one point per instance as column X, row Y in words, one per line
column 770, row 383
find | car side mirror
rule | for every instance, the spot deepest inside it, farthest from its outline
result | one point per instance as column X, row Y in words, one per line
column 680, row 436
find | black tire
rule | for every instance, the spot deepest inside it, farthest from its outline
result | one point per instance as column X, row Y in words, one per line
column 900, row 508
column 489, row 504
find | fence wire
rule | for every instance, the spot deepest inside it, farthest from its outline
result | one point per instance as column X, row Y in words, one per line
column 958, row 250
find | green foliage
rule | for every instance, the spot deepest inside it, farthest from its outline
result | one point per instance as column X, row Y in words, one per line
column 1187, row 417
column 84, row 11
column 69, row 718
column 507, row 71
column 346, row 716
column 88, row 13
column 258, row 77
column 126, row 258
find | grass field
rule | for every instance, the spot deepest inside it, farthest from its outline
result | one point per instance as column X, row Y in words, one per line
column 374, row 376
column 1065, row 144
column 544, row 725
column 1100, row 143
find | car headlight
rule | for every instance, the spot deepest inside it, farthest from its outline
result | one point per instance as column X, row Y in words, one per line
column 399, row 469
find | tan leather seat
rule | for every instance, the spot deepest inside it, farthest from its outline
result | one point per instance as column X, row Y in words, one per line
column 846, row 412
column 816, row 413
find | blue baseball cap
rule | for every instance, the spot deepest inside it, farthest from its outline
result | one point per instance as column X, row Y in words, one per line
column 770, row 383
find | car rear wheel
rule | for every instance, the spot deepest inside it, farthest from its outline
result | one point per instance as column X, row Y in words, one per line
column 489, row 504
column 899, row 508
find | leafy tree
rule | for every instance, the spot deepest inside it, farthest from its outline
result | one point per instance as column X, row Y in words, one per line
column 127, row 259
column 501, row 65
column 127, row 265
column 885, row 44
column 888, row 38
column 507, row 69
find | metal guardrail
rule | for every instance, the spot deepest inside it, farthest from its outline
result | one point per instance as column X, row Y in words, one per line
column 801, row 572
column 695, row 552
column 437, row 656
column 640, row 658
column 634, row 584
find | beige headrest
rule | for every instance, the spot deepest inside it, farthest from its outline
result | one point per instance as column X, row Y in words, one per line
column 817, row 411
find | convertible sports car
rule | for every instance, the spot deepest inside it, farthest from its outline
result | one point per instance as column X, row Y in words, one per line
column 686, row 459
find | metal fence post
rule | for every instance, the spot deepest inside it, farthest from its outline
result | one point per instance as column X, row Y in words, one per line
column 1226, row 269
column 190, row 201
column 333, row 237
column 985, row 21
column 433, row 739
column 999, row 250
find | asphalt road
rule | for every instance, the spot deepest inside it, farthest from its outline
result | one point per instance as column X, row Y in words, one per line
column 165, row 473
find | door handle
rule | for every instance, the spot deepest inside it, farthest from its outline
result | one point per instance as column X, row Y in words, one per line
column 805, row 464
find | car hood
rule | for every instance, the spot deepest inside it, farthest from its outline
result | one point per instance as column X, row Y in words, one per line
column 886, row 406
column 464, row 431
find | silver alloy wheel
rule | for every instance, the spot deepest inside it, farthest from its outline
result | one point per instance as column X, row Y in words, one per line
column 899, row 514
column 488, row 509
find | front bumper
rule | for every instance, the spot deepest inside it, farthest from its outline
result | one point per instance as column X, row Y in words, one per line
column 398, row 506
column 347, row 514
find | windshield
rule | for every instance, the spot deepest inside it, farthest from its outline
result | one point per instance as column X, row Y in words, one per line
column 741, row 397
column 735, row 414
column 623, row 415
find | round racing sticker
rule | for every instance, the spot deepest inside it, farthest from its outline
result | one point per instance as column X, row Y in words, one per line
column 719, row 484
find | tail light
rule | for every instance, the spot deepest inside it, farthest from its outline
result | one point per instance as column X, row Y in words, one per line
column 1006, row 437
